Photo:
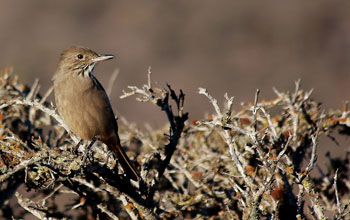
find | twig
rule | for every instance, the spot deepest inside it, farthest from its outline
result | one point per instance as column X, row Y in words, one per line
column 43, row 201
column 104, row 209
column 226, row 135
column 47, row 94
column 125, row 203
column 112, row 81
column 34, row 208
column 313, row 158
column 35, row 158
column 34, row 90
column 38, row 105
column 336, row 193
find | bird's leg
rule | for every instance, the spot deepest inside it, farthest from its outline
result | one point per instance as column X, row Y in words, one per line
column 75, row 149
column 87, row 149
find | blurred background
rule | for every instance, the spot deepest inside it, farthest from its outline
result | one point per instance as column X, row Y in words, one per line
column 224, row 46
column 233, row 47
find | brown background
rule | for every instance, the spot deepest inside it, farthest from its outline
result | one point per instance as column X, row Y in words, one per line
column 224, row 46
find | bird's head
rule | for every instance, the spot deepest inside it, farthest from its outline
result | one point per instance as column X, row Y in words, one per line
column 80, row 60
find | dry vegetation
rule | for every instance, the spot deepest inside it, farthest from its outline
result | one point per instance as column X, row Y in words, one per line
column 249, row 164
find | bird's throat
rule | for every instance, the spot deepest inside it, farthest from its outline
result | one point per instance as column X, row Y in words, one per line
column 88, row 70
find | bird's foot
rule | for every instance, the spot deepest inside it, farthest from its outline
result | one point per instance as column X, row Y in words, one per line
column 75, row 150
column 87, row 154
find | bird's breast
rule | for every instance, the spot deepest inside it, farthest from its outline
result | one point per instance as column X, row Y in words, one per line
column 84, row 107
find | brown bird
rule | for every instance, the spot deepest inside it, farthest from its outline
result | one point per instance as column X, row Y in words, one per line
column 83, row 103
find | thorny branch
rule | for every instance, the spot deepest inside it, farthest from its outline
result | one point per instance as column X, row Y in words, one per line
column 177, row 122
column 132, row 193
column 263, row 141
column 249, row 164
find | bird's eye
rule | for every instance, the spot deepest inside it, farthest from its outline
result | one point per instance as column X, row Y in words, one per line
column 80, row 56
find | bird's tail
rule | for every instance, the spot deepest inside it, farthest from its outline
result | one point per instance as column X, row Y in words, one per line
column 124, row 160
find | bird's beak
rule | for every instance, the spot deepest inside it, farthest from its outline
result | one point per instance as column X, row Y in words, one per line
column 102, row 58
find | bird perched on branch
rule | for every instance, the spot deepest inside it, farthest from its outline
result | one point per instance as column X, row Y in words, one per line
column 83, row 103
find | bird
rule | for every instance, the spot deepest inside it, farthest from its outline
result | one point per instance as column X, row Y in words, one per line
column 83, row 103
